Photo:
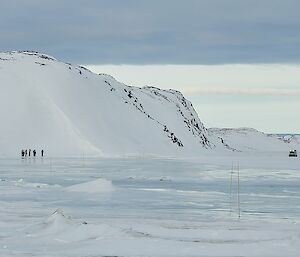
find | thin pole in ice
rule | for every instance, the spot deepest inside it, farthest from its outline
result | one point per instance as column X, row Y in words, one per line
column 83, row 159
column 230, row 190
column 51, row 164
column 238, row 190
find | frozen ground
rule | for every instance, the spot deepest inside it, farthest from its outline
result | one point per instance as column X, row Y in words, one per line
column 149, row 207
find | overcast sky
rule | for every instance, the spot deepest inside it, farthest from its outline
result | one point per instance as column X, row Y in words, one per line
column 156, row 31
column 227, row 42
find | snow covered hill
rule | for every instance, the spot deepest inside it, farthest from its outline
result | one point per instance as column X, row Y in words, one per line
column 251, row 140
column 289, row 138
column 68, row 110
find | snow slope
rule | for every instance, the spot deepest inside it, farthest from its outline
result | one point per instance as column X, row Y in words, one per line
column 252, row 140
column 68, row 110
column 289, row 138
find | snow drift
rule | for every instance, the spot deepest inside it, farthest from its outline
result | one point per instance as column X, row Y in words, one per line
column 95, row 186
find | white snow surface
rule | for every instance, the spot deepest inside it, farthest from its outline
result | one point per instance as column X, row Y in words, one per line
column 141, row 205
column 69, row 111
column 157, row 208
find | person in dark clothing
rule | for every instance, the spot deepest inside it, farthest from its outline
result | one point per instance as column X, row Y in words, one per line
column 42, row 153
column 34, row 153
column 23, row 152
column 29, row 152
column 26, row 153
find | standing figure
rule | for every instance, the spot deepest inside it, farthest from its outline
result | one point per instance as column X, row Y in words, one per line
column 22, row 153
column 34, row 153
column 26, row 153
column 29, row 152
column 42, row 153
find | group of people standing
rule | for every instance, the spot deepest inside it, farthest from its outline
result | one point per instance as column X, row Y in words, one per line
column 26, row 153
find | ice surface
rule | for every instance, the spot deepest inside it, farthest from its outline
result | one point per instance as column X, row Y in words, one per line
column 158, row 207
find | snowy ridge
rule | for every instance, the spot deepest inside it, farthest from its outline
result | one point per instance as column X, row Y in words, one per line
column 68, row 110
column 252, row 140
column 288, row 138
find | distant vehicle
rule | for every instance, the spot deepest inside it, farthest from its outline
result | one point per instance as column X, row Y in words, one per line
column 293, row 153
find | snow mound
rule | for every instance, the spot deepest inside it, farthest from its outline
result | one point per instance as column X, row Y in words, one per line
column 95, row 186
column 61, row 228
column 56, row 223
